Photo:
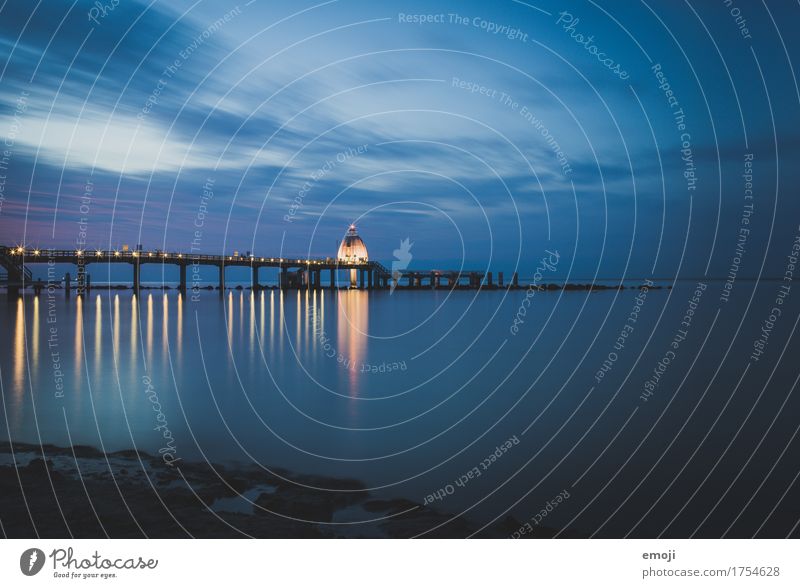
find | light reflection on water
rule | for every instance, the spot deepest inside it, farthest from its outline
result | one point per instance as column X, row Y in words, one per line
column 317, row 369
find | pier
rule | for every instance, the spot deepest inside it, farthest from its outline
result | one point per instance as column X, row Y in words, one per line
column 294, row 273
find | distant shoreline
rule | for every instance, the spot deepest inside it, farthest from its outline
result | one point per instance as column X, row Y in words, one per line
column 572, row 286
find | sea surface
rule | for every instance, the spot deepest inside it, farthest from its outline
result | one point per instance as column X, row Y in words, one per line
column 647, row 412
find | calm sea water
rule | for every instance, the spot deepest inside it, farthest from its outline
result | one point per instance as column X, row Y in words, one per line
column 413, row 392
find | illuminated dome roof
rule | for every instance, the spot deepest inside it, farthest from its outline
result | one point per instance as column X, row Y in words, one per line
column 352, row 248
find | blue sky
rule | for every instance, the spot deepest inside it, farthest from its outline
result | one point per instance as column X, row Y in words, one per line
column 306, row 116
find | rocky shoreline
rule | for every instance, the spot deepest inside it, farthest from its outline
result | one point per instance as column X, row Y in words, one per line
column 81, row 492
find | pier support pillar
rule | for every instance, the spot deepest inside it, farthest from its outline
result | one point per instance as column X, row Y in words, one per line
column 333, row 278
column 221, row 278
column 136, row 281
column 317, row 279
column 15, row 276
column 284, row 279
column 360, row 278
column 254, row 284
column 370, row 276
column 182, row 283
column 88, row 282
column 515, row 280
column 67, row 284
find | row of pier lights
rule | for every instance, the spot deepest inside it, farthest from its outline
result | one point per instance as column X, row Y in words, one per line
column 294, row 273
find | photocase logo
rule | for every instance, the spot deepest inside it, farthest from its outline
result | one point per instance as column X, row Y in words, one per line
column 100, row 11
column 402, row 259
column 31, row 561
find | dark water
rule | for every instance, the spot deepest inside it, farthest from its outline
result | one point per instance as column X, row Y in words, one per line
column 411, row 391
